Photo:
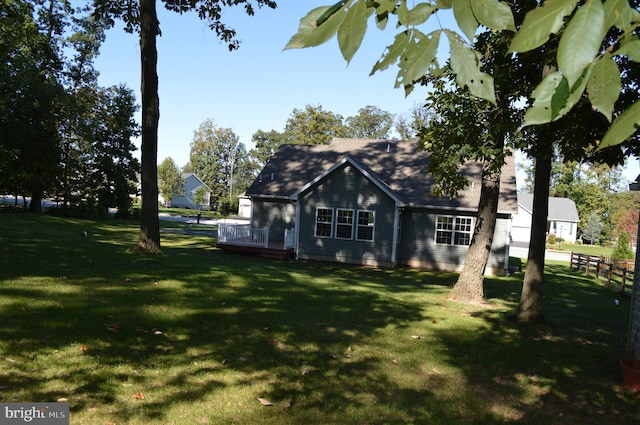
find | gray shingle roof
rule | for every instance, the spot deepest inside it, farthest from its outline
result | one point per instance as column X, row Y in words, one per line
column 560, row 209
column 397, row 164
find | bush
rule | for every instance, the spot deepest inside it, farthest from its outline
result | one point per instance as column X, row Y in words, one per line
column 552, row 239
column 622, row 250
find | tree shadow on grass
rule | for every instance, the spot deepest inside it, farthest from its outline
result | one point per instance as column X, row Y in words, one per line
column 324, row 344
column 566, row 371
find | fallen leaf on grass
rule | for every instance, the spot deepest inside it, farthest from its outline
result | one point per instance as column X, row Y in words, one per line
column 9, row 360
column 264, row 402
column 138, row 396
column 114, row 327
column 416, row 337
column 63, row 400
column 84, row 348
column 156, row 331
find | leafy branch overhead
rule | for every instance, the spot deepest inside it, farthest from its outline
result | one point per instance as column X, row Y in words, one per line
column 585, row 63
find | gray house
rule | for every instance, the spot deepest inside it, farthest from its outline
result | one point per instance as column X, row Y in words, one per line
column 369, row 202
column 192, row 185
column 562, row 219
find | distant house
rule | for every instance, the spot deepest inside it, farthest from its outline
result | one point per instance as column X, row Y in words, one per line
column 192, row 184
column 369, row 202
column 562, row 220
column 244, row 206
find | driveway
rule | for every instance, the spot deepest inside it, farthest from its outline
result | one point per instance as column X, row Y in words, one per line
column 520, row 250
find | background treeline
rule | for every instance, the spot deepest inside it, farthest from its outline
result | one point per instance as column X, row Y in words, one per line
column 62, row 135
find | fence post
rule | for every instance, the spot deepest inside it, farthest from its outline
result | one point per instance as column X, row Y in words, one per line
column 571, row 262
column 624, row 278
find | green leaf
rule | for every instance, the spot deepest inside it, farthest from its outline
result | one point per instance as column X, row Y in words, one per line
column 620, row 14
column 465, row 62
column 630, row 49
column 559, row 98
column 392, row 53
column 574, row 96
column 386, row 6
column 581, row 40
column 418, row 58
column 419, row 14
column 329, row 12
column 541, row 111
column 494, row 14
column 403, row 13
column 604, row 85
column 623, row 127
column 464, row 16
column 540, row 23
column 353, row 29
column 310, row 35
column 444, row 4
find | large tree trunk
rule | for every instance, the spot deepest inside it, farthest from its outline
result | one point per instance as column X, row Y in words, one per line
column 149, row 227
column 530, row 308
column 469, row 287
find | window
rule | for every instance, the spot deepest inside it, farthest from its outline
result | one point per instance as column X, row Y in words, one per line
column 454, row 230
column 463, row 231
column 366, row 221
column 344, row 224
column 444, row 230
column 324, row 222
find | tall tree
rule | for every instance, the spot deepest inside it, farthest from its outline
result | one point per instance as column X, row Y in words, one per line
column 467, row 128
column 170, row 181
column 114, row 168
column 143, row 18
column 266, row 143
column 214, row 158
column 410, row 124
column 313, row 126
column 371, row 122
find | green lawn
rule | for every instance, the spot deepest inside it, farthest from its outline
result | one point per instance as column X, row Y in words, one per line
column 194, row 336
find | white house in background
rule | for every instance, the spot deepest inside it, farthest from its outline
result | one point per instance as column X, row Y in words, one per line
column 244, row 206
column 562, row 220
column 192, row 184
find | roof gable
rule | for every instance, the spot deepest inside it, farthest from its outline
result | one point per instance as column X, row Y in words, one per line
column 398, row 166
column 560, row 209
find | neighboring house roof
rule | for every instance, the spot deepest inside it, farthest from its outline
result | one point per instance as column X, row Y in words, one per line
column 185, row 176
column 397, row 167
column 560, row 209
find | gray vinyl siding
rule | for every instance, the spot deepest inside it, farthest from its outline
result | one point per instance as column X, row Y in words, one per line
column 418, row 247
column 277, row 215
column 347, row 188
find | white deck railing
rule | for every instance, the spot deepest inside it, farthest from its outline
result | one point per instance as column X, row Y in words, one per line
column 243, row 234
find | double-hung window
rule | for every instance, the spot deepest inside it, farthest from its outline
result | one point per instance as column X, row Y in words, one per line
column 344, row 224
column 454, row 230
column 324, row 222
column 366, row 222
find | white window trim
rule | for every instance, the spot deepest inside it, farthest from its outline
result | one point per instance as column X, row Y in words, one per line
column 315, row 227
column 453, row 230
column 372, row 226
column 353, row 221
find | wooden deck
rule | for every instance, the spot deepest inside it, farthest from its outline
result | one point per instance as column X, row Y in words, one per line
column 273, row 250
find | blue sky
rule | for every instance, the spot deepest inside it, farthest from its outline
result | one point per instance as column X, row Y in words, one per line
column 258, row 86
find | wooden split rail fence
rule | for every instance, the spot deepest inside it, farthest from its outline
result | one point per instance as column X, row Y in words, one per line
column 619, row 276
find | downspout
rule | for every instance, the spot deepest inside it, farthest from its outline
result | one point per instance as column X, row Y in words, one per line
column 296, row 231
column 506, row 254
column 396, row 228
